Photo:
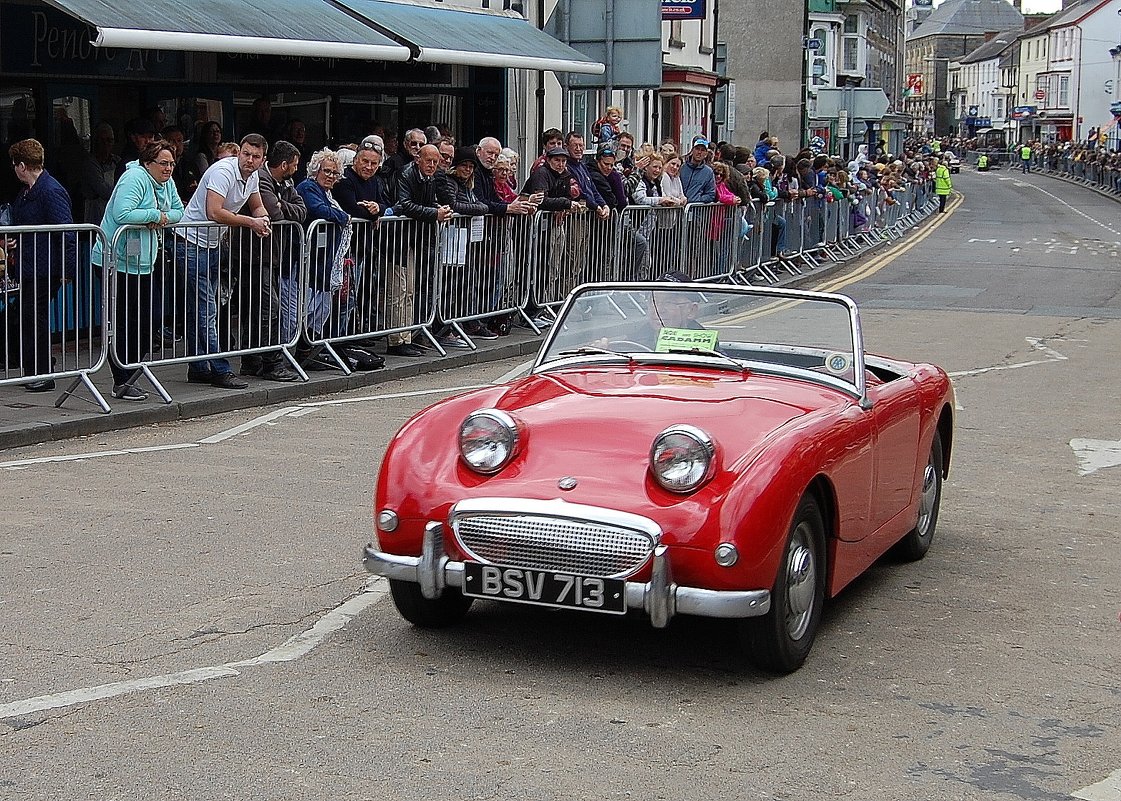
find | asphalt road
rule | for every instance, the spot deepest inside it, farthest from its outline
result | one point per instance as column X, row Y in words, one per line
column 192, row 621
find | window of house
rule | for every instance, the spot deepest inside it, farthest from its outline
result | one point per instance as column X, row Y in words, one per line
column 578, row 110
column 1064, row 91
column 852, row 54
column 821, row 36
column 852, row 23
column 998, row 108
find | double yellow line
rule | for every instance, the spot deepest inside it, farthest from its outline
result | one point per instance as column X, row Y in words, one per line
column 869, row 269
column 890, row 255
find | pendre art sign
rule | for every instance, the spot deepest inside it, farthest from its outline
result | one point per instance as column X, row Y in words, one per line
column 684, row 9
column 1023, row 112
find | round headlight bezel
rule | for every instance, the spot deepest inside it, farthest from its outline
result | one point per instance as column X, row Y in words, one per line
column 507, row 438
column 703, row 456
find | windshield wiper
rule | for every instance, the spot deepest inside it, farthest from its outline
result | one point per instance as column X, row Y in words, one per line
column 587, row 350
column 735, row 365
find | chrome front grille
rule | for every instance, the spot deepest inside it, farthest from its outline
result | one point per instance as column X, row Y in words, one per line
column 554, row 535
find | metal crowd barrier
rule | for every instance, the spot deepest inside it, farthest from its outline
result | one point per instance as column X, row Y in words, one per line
column 297, row 298
column 576, row 247
column 484, row 270
column 660, row 228
column 211, row 293
column 371, row 280
column 1094, row 173
column 52, row 299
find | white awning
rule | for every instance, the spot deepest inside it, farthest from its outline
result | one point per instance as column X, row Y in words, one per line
column 310, row 28
column 373, row 30
column 443, row 33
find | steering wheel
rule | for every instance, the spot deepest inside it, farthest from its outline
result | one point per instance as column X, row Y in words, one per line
column 631, row 343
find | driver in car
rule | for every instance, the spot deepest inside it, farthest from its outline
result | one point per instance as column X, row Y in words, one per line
column 670, row 318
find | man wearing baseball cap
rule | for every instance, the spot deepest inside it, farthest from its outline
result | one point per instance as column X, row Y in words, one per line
column 698, row 182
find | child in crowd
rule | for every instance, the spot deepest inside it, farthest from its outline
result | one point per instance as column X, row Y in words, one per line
column 609, row 126
column 226, row 149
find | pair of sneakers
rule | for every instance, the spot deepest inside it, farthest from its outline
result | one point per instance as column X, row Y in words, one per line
column 478, row 330
column 129, row 392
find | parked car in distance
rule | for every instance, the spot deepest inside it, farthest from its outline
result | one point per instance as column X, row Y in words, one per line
column 952, row 161
column 679, row 449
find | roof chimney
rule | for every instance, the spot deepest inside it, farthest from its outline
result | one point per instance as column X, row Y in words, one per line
column 989, row 35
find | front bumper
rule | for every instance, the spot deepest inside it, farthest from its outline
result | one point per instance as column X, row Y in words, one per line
column 661, row 599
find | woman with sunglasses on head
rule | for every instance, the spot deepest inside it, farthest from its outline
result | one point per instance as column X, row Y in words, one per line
column 144, row 195
column 328, row 251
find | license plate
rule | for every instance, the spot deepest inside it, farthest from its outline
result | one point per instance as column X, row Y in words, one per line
column 544, row 588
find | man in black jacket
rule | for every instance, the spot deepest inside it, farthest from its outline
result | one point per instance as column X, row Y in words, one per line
column 414, row 249
column 555, row 184
column 270, row 261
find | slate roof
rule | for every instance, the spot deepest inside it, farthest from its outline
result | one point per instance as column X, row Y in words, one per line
column 970, row 18
column 994, row 47
column 1074, row 13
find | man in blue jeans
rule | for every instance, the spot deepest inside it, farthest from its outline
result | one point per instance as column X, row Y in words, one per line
column 228, row 185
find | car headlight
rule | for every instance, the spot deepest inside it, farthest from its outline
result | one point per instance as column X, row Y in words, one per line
column 682, row 457
column 488, row 440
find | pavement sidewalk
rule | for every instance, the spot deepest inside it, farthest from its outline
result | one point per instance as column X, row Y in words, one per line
column 27, row 418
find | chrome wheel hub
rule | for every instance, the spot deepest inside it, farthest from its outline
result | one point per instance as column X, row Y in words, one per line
column 926, row 502
column 801, row 585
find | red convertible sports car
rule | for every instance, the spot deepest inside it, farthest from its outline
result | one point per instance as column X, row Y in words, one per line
column 680, row 449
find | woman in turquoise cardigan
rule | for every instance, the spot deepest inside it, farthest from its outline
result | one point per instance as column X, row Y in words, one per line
column 144, row 195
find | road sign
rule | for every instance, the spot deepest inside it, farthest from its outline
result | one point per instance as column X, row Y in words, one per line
column 842, row 124
column 1040, row 94
column 815, row 45
column 865, row 103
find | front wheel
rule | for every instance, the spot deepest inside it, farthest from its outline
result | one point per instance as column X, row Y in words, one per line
column 916, row 542
column 780, row 641
column 428, row 613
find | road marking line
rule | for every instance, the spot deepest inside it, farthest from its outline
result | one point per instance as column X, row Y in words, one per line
column 1108, row 789
column 1095, row 454
column 1036, row 344
column 20, row 464
column 300, row 644
column 1072, row 208
column 103, row 691
column 515, row 373
column 886, row 258
column 241, row 429
column 413, row 394
column 291, row 649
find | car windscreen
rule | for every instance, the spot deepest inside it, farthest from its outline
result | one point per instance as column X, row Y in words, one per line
column 715, row 326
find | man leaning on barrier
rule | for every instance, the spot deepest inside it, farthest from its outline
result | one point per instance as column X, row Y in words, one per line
column 270, row 261
column 415, row 258
column 226, row 186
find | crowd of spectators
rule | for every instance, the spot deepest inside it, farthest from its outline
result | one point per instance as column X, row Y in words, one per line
column 263, row 179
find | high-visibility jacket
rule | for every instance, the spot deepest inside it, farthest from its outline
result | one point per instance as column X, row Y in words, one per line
column 982, row 161
column 942, row 182
column 1025, row 152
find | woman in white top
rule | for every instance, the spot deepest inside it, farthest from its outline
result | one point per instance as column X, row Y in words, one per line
column 671, row 179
